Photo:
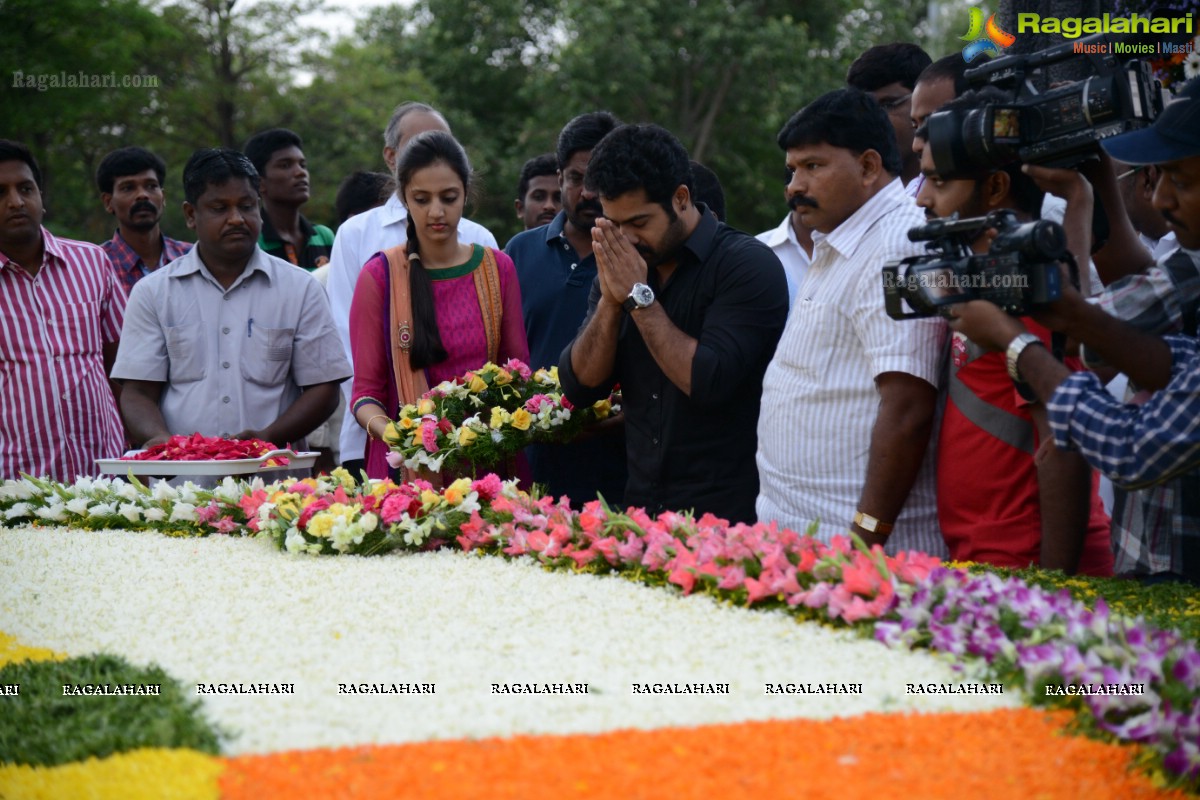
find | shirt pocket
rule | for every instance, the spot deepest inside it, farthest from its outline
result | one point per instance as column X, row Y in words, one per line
column 75, row 329
column 187, row 353
column 267, row 357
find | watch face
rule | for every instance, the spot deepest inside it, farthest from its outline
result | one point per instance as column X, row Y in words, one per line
column 643, row 295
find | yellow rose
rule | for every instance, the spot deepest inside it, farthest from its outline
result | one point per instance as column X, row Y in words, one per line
column 321, row 525
column 499, row 418
column 456, row 491
column 392, row 433
column 424, row 406
column 429, row 499
column 406, row 423
column 466, row 436
column 502, row 377
column 477, row 384
column 522, row 419
column 602, row 408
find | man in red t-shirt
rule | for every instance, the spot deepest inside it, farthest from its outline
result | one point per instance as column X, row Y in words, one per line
column 1006, row 495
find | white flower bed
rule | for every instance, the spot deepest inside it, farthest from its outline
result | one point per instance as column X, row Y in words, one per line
column 222, row 610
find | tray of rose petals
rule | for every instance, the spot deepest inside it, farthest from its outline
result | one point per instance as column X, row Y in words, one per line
column 207, row 455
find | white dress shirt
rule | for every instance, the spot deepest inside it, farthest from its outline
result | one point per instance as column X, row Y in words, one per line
column 819, row 400
column 359, row 238
column 782, row 240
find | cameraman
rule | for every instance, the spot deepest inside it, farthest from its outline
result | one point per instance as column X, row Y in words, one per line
column 1033, row 503
column 1137, row 446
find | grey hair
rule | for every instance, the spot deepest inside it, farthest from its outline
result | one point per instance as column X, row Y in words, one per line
column 391, row 134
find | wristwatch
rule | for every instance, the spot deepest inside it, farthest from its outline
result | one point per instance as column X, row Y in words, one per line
column 640, row 296
column 872, row 525
column 1015, row 348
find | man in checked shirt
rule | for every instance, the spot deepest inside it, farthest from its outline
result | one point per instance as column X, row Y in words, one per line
column 1141, row 447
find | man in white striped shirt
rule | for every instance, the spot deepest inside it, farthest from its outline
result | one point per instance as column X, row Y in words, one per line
column 60, row 318
column 849, row 399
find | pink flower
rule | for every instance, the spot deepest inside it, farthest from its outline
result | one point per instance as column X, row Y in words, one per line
column 581, row 557
column 567, row 404
column 535, row 404
column 519, row 367
column 394, row 459
column 249, row 503
column 225, row 524
column 631, row 551
column 393, row 508
column 733, row 578
column 209, row 512
column 607, row 548
column 592, row 518
column 861, row 578
column 429, row 437
column 538, row 541
column 488, row 487
column 308, row 513
column 758, row 590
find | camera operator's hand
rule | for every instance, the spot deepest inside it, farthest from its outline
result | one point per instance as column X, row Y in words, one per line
column 1068, row 184
column 985, row 324
column 1061, row 314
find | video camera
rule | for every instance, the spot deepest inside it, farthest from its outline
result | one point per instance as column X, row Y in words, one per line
column 1055, row 128
column 1019, row 271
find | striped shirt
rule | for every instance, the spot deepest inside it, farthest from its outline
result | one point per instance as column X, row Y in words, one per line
column 819, row 397
column 59, row 413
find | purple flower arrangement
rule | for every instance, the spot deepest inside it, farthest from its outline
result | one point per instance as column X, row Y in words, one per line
column 1140, row 684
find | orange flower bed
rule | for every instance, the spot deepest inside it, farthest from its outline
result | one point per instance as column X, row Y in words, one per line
column 1000, row 754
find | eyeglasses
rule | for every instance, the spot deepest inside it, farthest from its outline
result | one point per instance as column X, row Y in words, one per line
column 895, row 104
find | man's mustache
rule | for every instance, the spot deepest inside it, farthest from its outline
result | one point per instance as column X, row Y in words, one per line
column 143, row 205
column 797, row 200
column 1171, row 218
column 589, row 205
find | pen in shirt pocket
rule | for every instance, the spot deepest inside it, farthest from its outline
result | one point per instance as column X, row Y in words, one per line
column 249, row 327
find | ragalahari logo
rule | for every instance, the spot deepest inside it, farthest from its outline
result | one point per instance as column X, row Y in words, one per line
column 984, row 38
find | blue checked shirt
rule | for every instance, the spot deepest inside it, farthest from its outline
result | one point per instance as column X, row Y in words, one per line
column 1149, row 451
column 128, row 264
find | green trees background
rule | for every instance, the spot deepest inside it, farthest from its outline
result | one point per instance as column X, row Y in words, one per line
column 722, row 74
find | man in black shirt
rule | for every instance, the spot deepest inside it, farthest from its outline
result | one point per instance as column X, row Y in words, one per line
column 685, row 314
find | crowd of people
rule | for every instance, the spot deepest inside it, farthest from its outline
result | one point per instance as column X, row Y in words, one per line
column 762, row 377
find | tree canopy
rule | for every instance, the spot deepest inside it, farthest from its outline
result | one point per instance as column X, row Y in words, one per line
column 723, row 75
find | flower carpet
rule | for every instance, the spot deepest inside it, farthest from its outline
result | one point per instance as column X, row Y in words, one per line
column 514, row 647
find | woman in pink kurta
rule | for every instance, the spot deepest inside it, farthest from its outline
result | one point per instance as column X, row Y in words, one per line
column 433, row 177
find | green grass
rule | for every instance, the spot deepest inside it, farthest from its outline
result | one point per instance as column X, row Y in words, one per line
column 42, row 727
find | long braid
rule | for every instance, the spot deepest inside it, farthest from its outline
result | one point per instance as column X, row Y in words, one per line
column 427, row 347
